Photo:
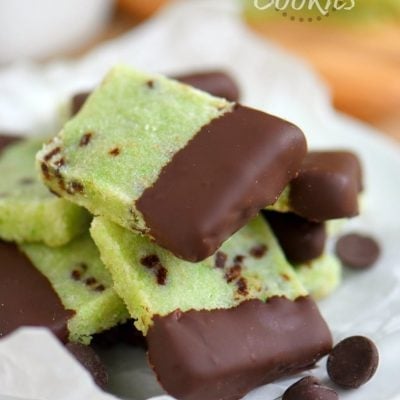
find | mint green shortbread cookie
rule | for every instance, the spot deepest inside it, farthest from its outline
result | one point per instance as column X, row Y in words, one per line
column 152, row 281
column 28, row 211
column 126, row 132
column 322, row 276
column 82, row 283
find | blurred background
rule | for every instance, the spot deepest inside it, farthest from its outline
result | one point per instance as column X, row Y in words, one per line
column 357, row 52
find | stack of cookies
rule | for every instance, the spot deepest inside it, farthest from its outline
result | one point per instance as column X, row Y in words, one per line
column 200, row 220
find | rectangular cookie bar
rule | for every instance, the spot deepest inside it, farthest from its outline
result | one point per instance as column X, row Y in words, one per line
column 28, row 211
column 66, row 289
column 218, row 328
column 162, row 158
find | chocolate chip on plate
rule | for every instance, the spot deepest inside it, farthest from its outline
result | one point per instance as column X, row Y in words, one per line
column 353, row 362
column 309, row 388
column 91, row 361
column 357, row 251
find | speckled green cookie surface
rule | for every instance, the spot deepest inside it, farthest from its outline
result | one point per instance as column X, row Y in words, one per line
column 83, row 284
column 28, row 211
column 115, row 147
column 154, row 282
column 322, row 276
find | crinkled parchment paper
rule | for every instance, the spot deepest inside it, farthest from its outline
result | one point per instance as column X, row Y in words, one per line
column 197, row 34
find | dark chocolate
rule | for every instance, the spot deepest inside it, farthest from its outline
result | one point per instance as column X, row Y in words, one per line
column 353, row 362
column 27, row 297
column 235, row 166
column 220, row 259
column 78, row 100
column 114, row 152
column 301, row 240
column 223, row 354
column 153, row 262
column 86, row 138
column 123, row 333
column 309, row 388
column 357, row 251
column 90, row 360
column 217, row 83
column 259, row 251
column 327, row 186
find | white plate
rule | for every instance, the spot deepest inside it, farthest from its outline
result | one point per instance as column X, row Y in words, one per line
column 195, row 35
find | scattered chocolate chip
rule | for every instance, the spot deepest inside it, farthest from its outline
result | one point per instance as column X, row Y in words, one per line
column 114, row 152
column 353, row 362
column 238, row 259
column 220, row 259
column 87, row 357
column 75, row 187
column 285, row 277
column 150, row 84
column 90, row 281
column 59, row 163
column 150, row 261
column 161, row 275
column 233, row 273
column 76, row 275
column 26, row 181
column 85, row 139
column 52, row 153
column 153, row 262
column 309, row 388
column 357, row 251
column 242, row 286
column 258, row 251
column 100, row 288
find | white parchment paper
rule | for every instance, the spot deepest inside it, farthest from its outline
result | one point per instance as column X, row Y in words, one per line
column 198, row 34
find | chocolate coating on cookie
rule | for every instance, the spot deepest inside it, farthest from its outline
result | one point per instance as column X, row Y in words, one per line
column 301, row 240
column 123, row 333
column 223, row 354
column 217, row 83
column 77, row 101
column 353, row 362
column 357, row 251
column 309, row 388
column 89, row 359
column 27, row 297
column 235, row 166
column 327, row 186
